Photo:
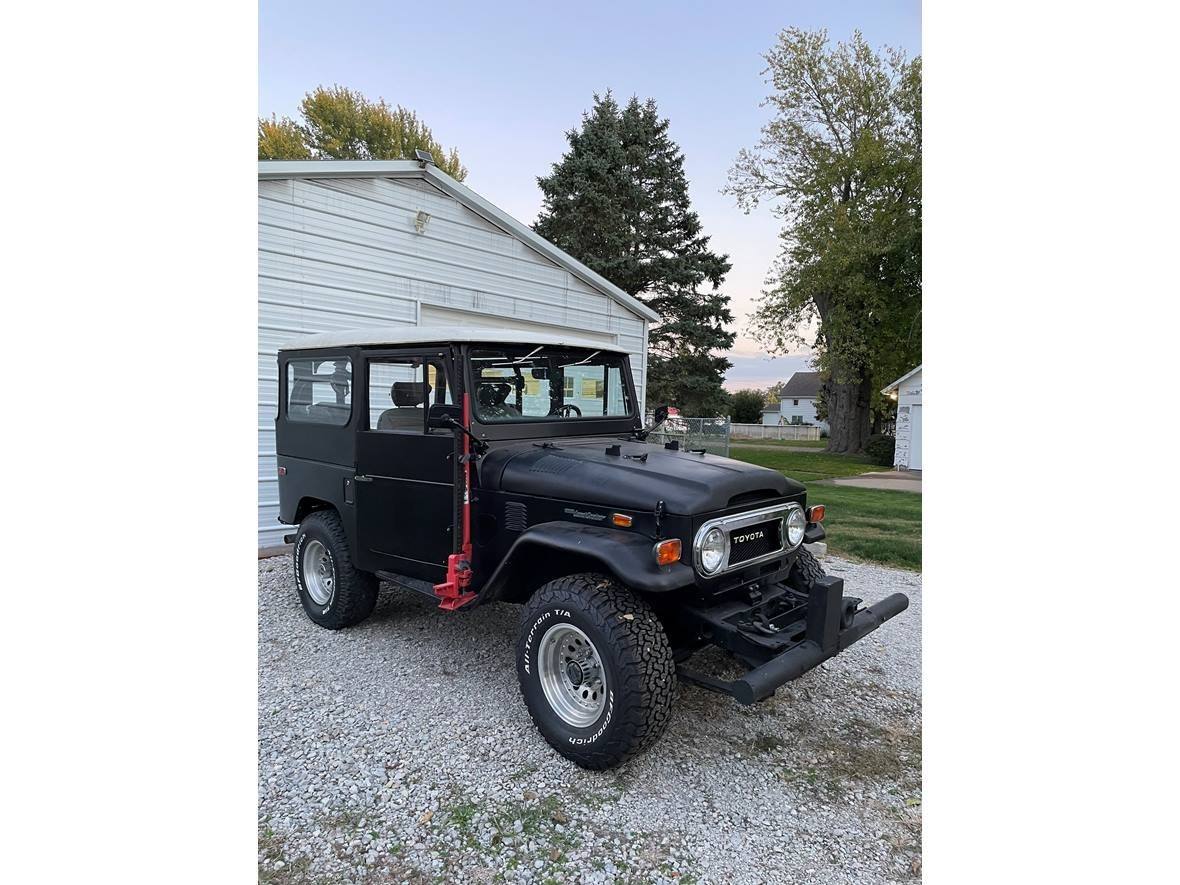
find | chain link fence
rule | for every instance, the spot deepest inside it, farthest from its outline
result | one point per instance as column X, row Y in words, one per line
column 710, row 434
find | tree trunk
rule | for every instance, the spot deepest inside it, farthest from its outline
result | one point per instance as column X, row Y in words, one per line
column 848, row 415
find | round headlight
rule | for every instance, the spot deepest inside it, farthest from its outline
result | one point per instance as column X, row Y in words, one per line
column 796, row 524
column 712, row 552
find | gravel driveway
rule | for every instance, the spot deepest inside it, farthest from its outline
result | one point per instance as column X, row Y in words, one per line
column 400, row 751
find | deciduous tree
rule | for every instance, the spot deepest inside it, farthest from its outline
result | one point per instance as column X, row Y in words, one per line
column 281, row 140
column 841, row 159
column 341, row 124
column 746, row 407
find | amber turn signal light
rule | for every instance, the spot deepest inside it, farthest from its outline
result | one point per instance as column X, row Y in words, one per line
column 622, row 520
column 816, row 513
column 668, row 552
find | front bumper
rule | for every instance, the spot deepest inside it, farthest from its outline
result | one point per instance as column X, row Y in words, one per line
column 785, row 635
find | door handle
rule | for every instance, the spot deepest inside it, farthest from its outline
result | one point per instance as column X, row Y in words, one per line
column 363, row 478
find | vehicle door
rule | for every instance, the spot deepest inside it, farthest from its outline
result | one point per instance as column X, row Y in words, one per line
column 405, row 489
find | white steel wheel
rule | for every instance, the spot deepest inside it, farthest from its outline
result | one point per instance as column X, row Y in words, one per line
column 571, row 674
column 319, row 572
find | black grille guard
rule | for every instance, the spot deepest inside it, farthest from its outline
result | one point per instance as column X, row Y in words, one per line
column 822, row 637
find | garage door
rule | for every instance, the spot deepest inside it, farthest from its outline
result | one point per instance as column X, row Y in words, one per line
column 916, row 437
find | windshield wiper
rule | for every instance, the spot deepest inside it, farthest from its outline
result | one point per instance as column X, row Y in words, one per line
column 524, row 359
column 582, row 362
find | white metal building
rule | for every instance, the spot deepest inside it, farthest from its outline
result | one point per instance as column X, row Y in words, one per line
column 345, row 243
column 907, row 390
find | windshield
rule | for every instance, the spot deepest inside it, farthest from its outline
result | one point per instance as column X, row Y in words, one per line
column 526, row 383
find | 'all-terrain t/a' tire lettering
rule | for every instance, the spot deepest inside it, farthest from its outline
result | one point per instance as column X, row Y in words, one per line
column 595, row 668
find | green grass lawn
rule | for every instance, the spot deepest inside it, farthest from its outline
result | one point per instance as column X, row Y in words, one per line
column 874, row 524
column 805, row 466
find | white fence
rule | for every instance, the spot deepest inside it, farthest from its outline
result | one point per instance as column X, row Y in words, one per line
column 774, row 431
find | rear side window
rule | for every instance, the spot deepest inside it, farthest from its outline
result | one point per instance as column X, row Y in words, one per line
column 319, row 391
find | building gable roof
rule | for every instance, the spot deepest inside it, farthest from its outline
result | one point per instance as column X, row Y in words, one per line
column 280, row 169
column 904, row 378
column 801, row 385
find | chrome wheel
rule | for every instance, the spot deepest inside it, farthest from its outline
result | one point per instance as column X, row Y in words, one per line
column 571, row 675
column 319, row 572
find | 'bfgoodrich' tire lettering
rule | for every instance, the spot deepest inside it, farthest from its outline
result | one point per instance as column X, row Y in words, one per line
column 636, row 655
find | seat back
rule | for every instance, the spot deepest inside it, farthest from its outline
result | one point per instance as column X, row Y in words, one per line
column 409, row 399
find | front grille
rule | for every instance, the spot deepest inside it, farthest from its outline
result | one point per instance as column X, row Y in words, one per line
column 751, row 542
column 754, row 536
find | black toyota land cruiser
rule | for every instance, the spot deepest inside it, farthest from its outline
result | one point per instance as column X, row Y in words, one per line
column 481, row 466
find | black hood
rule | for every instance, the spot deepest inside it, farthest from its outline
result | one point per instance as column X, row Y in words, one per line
column 583, row 472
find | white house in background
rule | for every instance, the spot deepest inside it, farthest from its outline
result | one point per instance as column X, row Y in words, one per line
column 348, row 243
column 796, row 403
column 907, row 390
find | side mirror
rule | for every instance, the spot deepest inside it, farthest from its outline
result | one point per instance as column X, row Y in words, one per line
column 658, row 417
column 444, row 416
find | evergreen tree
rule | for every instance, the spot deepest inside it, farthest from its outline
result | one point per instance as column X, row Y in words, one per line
column 340, row 124
column 618, row 202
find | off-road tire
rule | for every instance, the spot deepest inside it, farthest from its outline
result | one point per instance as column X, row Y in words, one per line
column 805, row 572
column 636, row 658
column 354, row 592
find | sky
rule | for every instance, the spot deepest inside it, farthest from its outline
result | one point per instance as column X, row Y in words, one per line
column 504, row 81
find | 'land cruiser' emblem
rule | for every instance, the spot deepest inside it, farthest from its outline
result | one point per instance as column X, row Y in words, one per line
column 749, row 536
column 584, row 514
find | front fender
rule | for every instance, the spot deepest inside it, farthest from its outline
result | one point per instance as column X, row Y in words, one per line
column 627, row 556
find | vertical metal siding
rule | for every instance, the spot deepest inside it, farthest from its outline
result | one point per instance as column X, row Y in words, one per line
column 343, row 253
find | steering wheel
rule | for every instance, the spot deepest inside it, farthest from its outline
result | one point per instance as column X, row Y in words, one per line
column 565, row 410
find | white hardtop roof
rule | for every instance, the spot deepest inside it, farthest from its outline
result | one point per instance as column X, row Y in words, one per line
column 395, row 335
column 906, row 377
column 279, row 169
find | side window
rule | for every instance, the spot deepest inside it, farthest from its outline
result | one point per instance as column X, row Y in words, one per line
column 319, row 391
column 400, row 391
